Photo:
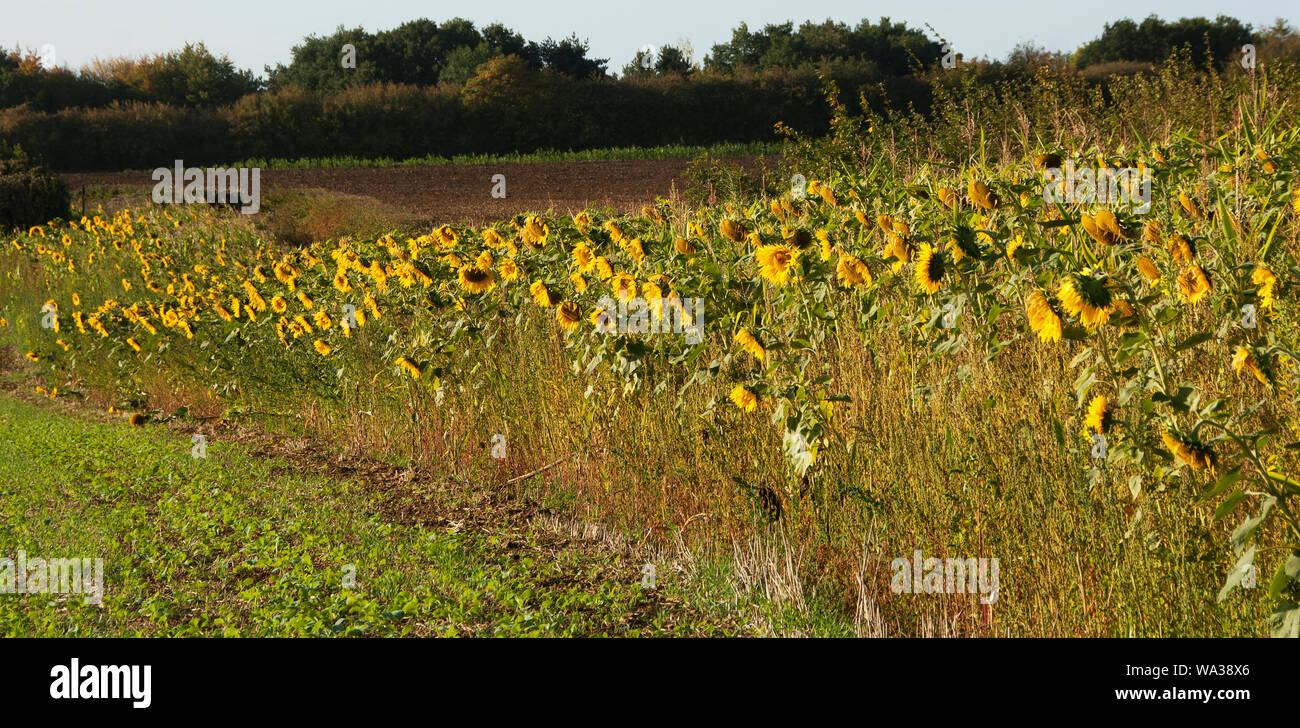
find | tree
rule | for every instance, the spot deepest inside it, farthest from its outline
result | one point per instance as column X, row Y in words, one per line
column 1154, row 40
column 569, row 57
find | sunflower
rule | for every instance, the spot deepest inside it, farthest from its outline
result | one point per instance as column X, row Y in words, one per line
column 1193, row 284
column 623, row 284
column 930, row 266
column 981, row 195
column 1147, row 267
column 1245, row 359
column 796, row 237
column 535, row 231
column 342, row 283
column 1048, row 161
column 321, row 347
column 1267, row 282
column 1043, row 317
column 132, row 343
column 776, row 262
column 305, row 300
column 899, row 248
column 583, row 258
column 615, row 232
column 828, row 195
column 323, row 321
column 278, row 304
column 475, row 279
column 731, row 230
column 603, row 321
column 683, row 246
column 602, row 267
column 484, row 260
column 636, row 249
column 1086, row 297
column 852, row 272
column 1195, row 454
column 750, row 344
column 508, row 268
column 1100, row 415
column 1190, row 206
column 136, row 419
column 33, row 356
column 948, row 196
column 568, row 315
column 1106, row 234
column 744, row 398
column 409, row 367
column 1182, row 249
column 542, row 296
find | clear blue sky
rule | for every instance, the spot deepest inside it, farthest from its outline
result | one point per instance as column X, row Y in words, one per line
column 256, row 34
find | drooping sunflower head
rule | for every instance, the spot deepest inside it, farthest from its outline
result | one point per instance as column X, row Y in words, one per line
column 683, row 246
column 1194, row 284
column 750, row 344
column 1182, row 249
column 1196, row 455
column 852, row 272
column 409, row 367
column 1100, row 415
column 899, row 249
column 744, row 398
column 1044, row 319
column 930, row 267
column 1267, row 282
column 542, row 295
column 1245, row 359
column 981, row 195
column 474, row 279
column 583, row 257
column 1147, row 267
column 796, row 237
column 1086, row 297
column 775, row 263
column 731, row 230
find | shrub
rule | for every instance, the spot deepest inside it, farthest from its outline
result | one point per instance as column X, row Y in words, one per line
column 28, row 195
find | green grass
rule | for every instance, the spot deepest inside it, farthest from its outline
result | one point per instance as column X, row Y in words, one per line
column 236, row 546
column 671, row 151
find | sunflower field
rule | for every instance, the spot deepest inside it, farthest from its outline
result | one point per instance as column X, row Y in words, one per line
column 1102, row 396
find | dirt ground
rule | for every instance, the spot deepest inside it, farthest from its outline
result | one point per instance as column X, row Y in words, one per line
column 463, row 193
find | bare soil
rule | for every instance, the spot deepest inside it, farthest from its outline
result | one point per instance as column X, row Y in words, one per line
column 463, row 193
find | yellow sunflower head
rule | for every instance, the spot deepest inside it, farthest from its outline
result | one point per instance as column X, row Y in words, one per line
column 744, row 398
column 930, row 267
column 1100, row 415
column 568, row 315
column 474, row 279
column 775, row 263
column 750, row 344
column 1086, row 297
